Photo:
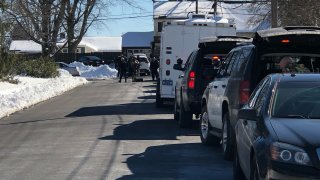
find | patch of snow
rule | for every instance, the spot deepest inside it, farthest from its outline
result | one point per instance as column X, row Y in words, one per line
column 30, row 91
column 90, row 72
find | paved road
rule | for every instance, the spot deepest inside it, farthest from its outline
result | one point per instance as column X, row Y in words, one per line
column 104, row 130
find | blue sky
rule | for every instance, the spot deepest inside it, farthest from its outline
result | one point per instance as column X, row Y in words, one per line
column 115, row 23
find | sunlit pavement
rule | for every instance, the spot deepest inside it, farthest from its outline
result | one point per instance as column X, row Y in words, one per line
column 105, row 130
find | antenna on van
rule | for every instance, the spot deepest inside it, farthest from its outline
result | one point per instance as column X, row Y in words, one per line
column 197, row 7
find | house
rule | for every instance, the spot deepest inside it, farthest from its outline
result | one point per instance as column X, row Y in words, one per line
column 87, row 45
column 137, row 42
column 98, row 44
column 25, row 47
column 167, row 11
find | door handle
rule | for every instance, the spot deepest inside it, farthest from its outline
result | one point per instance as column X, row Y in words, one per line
column 215, row 87
column 224, row 86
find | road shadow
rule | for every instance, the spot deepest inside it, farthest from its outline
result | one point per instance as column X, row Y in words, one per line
column 120, row 109
column 179, row 161
column 150, row 86
column 150, row 91
column 147, row 97
column 151, row 129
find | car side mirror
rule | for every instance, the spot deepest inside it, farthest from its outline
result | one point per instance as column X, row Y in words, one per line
column 178, row 67
column 179, row 61
column 250, row 114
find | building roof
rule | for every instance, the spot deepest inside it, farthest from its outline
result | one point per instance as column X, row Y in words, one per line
column 25, row 46
column 103, row 44
column 181, row 9
column 98, row 44
column 137, row 39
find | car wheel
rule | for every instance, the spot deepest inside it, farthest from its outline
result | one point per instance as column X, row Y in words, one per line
column 185, row 117
column 205, row 127
column 254, row 172
column 237, row 170
column 226, row 138
column 159, row 100
column 176, row 110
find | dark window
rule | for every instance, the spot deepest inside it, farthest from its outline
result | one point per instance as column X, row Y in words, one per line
column 262, row 97
column 244, row 55
column 160, row 24
column 224, row 66
column 232, row 62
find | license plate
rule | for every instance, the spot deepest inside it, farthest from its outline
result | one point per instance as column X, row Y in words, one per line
column 167, row 82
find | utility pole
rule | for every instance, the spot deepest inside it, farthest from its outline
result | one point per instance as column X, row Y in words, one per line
column 274, row 13
column 197, row 7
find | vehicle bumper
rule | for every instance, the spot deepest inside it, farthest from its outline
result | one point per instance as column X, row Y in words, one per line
column 292, row 172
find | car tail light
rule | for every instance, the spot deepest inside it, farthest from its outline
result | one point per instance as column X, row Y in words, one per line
column 168, row 61
column 286, row 41
column 215, row 58
column 191, row 82
column 244, row 92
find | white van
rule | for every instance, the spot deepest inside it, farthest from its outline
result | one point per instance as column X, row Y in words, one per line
column 178, row 40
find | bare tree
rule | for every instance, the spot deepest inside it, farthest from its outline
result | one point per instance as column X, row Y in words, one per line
column 40, row 19
column 299, row 12
column 289, row 12
column 82, row 14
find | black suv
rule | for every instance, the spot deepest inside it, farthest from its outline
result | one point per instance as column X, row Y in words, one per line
column 91, row 60
column 198, row 71
column 278, row 50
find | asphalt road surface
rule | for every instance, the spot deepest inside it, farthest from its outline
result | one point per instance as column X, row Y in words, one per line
column 105, row 130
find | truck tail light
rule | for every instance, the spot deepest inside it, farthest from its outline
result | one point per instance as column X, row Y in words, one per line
column 244, row 92
column 191, row 82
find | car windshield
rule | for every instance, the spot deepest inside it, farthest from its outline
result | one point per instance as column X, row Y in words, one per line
column 143, row 59
column 94, row 58
column 297, row 100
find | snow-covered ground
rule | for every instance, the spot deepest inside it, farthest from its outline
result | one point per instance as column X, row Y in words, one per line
column 30, row 91
column 90, row 72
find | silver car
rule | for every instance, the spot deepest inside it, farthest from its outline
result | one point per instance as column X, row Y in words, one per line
column 74, row 71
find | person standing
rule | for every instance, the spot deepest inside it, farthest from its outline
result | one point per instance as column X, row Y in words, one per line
column 154, row 65
column 123, row 69
column 135, row 68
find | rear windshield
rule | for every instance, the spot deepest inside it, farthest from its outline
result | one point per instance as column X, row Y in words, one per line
column 297, row 100
column 288, row 63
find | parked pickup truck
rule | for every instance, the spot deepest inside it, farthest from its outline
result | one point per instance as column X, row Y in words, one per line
column 198, row 72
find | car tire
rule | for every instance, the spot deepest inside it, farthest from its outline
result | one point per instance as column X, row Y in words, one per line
column 237, row 170
column 254, row 172
column 176, row 110
column 185, row 117
column 159, row 100
column 205, row 127
column 227, row 138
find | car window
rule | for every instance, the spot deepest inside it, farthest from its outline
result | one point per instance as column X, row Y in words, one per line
column 256, row 92
column 233, row 60
column 243, row 56
column 262, row 97
column 287, row 63
column 190, row 59
column 224, row 66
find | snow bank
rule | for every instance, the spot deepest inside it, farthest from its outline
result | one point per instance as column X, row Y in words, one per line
column 90, row 72
column 30, row 91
